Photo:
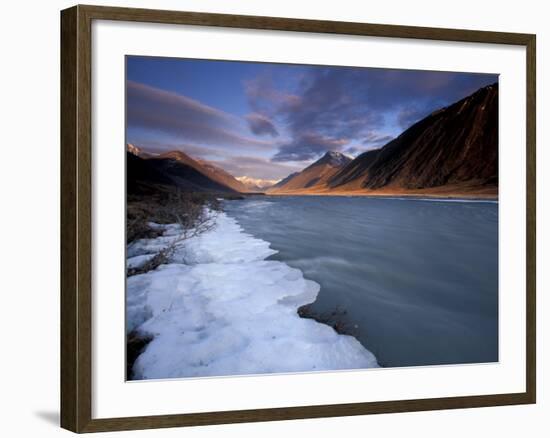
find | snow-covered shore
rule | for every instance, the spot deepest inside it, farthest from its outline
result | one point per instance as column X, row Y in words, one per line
column 219, row 308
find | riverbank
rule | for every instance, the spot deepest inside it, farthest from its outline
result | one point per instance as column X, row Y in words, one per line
column 441, row 192
column 392, row 195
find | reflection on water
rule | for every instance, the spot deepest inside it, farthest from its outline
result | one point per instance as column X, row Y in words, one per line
column 417, row 280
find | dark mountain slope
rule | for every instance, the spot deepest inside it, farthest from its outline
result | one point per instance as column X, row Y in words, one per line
column 452, row 152
column 223, row 177
column 284, row 181
column 133, row 149
column 354, row 170
column 144, row 174
column 457, row 145
column 141, row 175
column 207, row 169
column 317, row 174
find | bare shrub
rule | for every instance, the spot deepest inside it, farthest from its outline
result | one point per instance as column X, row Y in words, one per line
column 168, row 207
column 160, row 258
column 137, row 222
column 163, row 205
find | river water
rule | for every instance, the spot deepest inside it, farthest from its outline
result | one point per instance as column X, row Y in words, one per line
column 415, row 281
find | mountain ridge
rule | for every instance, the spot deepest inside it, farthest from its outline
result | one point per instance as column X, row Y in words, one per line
column 452, row 151
column 256, row 184
column 316, row 174
column 177, row 169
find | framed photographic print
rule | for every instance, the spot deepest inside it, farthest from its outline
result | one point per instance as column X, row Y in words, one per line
column 268, row 218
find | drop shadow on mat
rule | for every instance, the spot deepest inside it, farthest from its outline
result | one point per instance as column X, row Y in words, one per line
column 51, row 417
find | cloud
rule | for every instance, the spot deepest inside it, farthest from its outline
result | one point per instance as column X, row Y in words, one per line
column 355, row 151
column 261, row 125
column 308, row 146
column 236, row 165
column 408, row 116
column 185, row 119
column 328, row 106
column 296, row 114
column 334, row 103
column 264, row 98
column 256, row 167
column 373, row 138
column 258, row 182
column 201, row 152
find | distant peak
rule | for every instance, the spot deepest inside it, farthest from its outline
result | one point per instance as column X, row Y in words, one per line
column 176, row 155
column 133, row 149
column 138, row 152
column 260, row 183
column 334, row 159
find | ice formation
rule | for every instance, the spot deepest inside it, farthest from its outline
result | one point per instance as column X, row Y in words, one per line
column 220, row 308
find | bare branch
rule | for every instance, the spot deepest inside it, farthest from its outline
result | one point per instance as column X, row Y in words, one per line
column 194, row 215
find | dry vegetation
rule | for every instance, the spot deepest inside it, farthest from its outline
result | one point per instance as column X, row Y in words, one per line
column 167, row 206
column 163, row 206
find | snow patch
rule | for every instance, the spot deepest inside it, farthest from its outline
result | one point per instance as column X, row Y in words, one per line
column 138, row 261
column 219, row 308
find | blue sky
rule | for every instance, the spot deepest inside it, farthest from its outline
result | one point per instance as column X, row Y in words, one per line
column 268, row 120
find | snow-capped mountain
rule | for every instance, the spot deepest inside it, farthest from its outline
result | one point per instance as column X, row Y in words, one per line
column 257, row 184
column 133, row 149
column 316, row 174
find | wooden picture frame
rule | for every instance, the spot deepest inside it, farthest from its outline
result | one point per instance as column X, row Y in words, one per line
column 76, row 217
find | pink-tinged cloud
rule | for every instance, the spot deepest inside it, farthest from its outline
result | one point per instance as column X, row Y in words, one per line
column 261, row 125
column 265, row 98
column 256, row 167
column 344, row 102
column 182, row 118
column 374, row 138
column 308, row 146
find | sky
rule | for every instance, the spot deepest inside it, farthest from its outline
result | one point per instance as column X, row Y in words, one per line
column 266, row 121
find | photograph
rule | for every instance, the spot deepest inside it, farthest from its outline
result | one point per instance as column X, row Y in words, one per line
column 296, row 218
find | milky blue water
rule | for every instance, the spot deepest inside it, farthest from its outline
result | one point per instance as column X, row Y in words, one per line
column 416, row 281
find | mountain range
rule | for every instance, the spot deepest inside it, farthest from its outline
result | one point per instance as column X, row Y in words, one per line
column 451, row 152
column 176, row 169
column 317, row 174
column 257, row 184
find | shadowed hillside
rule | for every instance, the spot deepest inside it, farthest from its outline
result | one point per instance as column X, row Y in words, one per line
column 452, row 151
column 315, row 175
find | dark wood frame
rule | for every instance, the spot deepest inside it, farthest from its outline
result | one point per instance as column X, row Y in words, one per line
column 76, row 225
